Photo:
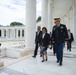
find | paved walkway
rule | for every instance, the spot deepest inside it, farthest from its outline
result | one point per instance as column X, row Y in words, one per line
column 34, row 66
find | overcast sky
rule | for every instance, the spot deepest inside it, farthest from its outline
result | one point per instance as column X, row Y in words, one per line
column 14, row 10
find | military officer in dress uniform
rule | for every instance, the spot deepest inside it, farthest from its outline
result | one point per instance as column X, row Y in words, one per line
column 59, row 35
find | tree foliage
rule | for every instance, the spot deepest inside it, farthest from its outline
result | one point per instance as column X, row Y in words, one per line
column 38, row 19
column 16, row 24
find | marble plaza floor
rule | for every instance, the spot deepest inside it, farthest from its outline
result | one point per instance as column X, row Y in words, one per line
column 7, row 60
column 34, row 66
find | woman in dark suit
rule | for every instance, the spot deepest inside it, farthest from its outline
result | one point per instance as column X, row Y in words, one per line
column 44, row 42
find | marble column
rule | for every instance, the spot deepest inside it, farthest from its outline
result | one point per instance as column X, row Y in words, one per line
column 2, row 33
column 44, row 21
column 7, row 33
column 50, row 17
column 30, row 24
column 67, row 21
column 63, row 19
column 13, row 33
column 74, row 15
column 16, row 33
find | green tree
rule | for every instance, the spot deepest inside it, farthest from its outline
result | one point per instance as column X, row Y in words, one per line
column 15, row 24
column 38, row 19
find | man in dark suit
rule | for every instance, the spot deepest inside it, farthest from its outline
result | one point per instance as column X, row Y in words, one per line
column 70, row 40
column 59, row 35
column 38, row 34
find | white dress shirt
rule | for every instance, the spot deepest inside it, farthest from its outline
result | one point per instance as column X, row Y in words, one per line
column 43, row 35
column 38, row 32
column 69, row 35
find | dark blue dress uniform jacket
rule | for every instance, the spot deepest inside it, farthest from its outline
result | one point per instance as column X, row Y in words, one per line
column 59, row 33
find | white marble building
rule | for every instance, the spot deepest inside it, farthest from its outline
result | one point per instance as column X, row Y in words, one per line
column 12, row 33
column 12, row 37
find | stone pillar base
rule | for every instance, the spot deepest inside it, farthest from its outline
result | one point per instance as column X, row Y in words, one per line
column 1, row 63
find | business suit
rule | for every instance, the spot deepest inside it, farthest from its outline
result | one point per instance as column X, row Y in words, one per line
column 44, row 42
column 59, row 34
column 69, row 42
column 38, row 34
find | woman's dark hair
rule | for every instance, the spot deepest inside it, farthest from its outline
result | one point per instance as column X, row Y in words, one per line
column 44, row 28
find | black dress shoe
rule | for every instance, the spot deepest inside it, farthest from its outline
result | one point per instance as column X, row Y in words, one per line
column 42, row 61
column 34, row 56
column 40, row 55
column 57, row 61
column 46, row 59
column 60, row 64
